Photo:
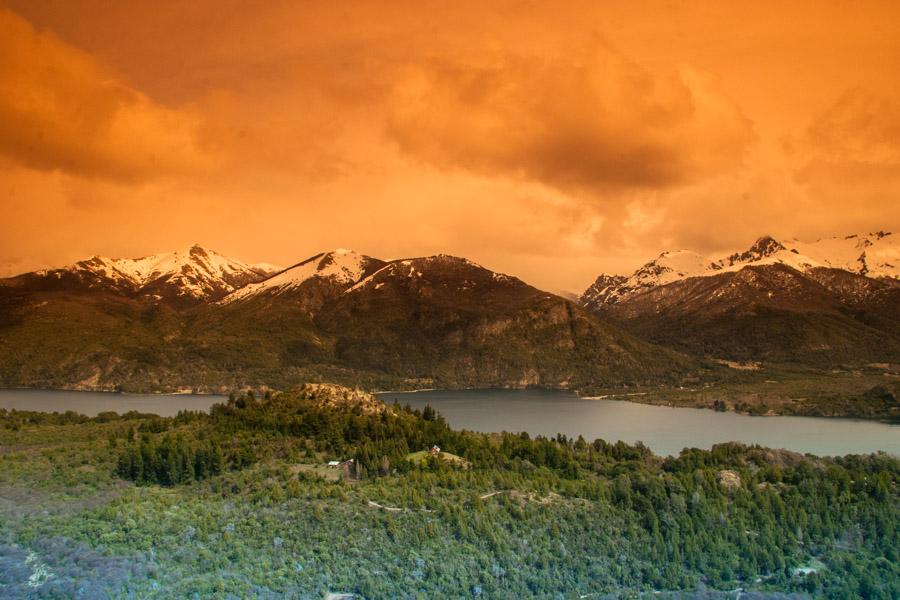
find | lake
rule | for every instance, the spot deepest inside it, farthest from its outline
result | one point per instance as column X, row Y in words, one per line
column 91, row 403
column 664, row 429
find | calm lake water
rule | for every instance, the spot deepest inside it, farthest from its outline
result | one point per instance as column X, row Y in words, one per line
column 91, row 403
column 665, row 430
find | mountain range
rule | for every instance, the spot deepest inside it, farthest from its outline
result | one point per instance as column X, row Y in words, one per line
column 830, row 303
column 196, row 320
column 193, row 319
column 191, row 275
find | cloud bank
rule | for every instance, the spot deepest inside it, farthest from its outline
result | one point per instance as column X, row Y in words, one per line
column 500, row 131
column 855, row 142
column 61, row 110
column 593, row 120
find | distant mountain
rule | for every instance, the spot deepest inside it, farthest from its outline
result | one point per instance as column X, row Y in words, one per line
column 192, row 274
column 875, row 255
column 832, row 302
column 337, row 316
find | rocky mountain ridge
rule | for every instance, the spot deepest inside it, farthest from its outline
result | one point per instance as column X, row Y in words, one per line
column 191, row 274
column 875, row 255
column 832, row 304
column 337, row 316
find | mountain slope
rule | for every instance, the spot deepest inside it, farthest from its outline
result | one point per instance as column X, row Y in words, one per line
column 311, row 282
column 447, row 319
column 876, row 255
column 666, row 268
column 769, row 303
column 338, row 316
column 764, row 313
column 193, row 274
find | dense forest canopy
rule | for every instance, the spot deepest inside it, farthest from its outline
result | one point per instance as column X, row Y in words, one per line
column 240, row 502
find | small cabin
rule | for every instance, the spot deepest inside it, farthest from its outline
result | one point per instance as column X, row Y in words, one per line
column 435, row 450
column 334, row 464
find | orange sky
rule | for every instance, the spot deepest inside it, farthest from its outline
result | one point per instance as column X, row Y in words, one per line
column 550, row 140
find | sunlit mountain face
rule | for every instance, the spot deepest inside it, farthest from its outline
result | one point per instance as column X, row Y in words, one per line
column 516, row 299
column 873, row 255
column 179, row 320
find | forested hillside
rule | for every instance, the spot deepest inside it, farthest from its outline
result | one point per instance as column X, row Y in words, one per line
column 438, row 321
column 240, row 502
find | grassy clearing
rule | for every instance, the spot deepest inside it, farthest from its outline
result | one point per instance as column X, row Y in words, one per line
column 420, row 457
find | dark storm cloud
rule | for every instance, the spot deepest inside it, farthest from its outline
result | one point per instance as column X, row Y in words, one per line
column 62, row 111
column 593, row 120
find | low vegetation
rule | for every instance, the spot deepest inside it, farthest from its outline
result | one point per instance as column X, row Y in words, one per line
column 870, row 392
column 240, row 503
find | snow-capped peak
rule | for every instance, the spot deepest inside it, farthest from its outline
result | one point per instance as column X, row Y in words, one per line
column 874, row 255
column 196, row 272
column 667, row 267
column 763, row 247
column 433, row 268
column 341, row 266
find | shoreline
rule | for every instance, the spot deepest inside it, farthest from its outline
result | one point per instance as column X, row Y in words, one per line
column 498, row 413
column 648, row 398
column 102, row 391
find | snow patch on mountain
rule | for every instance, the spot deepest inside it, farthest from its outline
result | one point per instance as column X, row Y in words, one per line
column 389, row 269
column 874, row 255
column 342, row 266
column 414, row 268
column 196, row 272
column 667, row 267
column 264, row 267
